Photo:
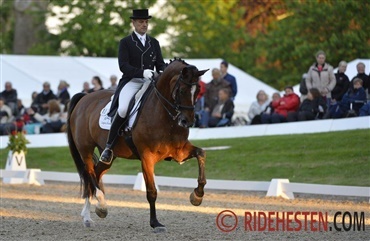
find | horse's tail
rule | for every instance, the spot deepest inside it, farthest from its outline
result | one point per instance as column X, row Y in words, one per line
column 73, row 148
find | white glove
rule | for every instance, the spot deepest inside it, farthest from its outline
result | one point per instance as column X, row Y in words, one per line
column 148, row 74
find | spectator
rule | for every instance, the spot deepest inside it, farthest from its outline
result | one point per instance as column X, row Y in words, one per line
column 63, row 94
column 257, row 107
column 63, row 118
column 351, row 102
column 10, row 97
column 202, row 89
column 51, row 121
column 365, row 110
column 42, row 99
column 6, row 118
column 97, row 83
column 302, row 87
column 21, row 109
column 321, row 76
column 221, row 113
column 113, row 80
column 34, row 95
column 212, row 88
column 342, row 82
column 30, row 124
column 268, row 110
column 199, row 104
column 365, row 78
column 354, row 99
column 85, row 87
column 313, row 107
column 6, row 114
column 288, row 103
column 229, row 78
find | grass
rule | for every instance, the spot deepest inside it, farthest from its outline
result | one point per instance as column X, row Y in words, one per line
column 341, row 158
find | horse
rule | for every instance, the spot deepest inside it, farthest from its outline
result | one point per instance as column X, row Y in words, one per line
column 160, row 133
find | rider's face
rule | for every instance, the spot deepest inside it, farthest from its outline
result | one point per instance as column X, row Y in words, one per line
column 140, row 25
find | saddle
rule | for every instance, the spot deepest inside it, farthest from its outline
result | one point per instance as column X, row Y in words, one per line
column 135, row 105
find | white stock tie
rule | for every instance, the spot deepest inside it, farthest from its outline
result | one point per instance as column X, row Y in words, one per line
column 142, row 41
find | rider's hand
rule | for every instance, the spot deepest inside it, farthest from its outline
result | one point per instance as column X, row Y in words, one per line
column 148, row 74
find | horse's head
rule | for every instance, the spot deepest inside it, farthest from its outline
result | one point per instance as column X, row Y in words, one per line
column 184, row 87
column 185, row 92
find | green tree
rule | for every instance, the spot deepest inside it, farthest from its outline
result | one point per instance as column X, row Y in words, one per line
column 94, row 28
column 23, row 29
column 272, row 40
column 340, row 28
column 6, row 26
column 220, row 29
column 203, row 29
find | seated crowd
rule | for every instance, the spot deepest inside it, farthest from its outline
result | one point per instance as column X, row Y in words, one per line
column 214, row 106
column 337, row 98
column 47, row 112
column 324, row 94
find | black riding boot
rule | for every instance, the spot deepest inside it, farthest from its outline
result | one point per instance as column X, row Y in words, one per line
column 107, row 155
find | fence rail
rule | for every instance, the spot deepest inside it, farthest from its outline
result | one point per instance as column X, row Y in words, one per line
column 275, row 188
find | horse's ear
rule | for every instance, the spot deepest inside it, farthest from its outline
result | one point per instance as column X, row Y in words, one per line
column 201, row 72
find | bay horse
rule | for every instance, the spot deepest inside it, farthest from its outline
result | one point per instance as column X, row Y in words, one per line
column 160, row 133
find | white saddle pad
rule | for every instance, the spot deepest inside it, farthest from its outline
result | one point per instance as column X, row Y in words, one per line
column 105, row 121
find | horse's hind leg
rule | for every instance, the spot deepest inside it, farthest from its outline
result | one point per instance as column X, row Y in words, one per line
column 85, row 213
column 196, row 196
column 100, row 168
column 92, row 187
column 101, row 208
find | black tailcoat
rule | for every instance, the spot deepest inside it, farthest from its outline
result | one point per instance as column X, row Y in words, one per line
column 133, row 59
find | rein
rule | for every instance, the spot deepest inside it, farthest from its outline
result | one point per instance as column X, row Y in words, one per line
column 175, row 106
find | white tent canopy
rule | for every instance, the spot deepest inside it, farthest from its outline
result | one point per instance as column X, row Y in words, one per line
column 27, row 73
column 350, row 72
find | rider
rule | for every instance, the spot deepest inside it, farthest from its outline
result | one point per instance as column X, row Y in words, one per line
column 138, row 54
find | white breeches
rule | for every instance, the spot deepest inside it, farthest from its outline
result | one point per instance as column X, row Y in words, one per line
column 126, row 94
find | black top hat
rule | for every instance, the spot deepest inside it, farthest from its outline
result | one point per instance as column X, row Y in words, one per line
column 140, row 14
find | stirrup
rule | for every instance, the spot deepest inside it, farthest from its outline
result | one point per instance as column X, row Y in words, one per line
column 106, row 156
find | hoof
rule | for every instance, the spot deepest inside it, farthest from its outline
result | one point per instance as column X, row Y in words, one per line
column 159, row 229
column 195, row 200
column 101, row 212
column 88, row 223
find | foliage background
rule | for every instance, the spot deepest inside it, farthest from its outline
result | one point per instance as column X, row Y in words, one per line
column 274, row 41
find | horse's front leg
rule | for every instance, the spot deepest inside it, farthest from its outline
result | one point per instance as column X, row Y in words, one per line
column 151, row 194
column 196, row 196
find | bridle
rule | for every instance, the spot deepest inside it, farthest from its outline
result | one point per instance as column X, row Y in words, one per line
column 176, row 106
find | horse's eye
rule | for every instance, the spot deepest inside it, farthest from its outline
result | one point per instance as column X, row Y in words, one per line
column 182, row 91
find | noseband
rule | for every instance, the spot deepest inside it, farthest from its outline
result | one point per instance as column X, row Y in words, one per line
column 176, row 106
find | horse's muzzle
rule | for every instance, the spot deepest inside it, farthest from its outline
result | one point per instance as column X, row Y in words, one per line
column 183, row 122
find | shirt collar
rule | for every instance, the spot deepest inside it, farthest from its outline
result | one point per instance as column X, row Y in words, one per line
column 140, row 36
